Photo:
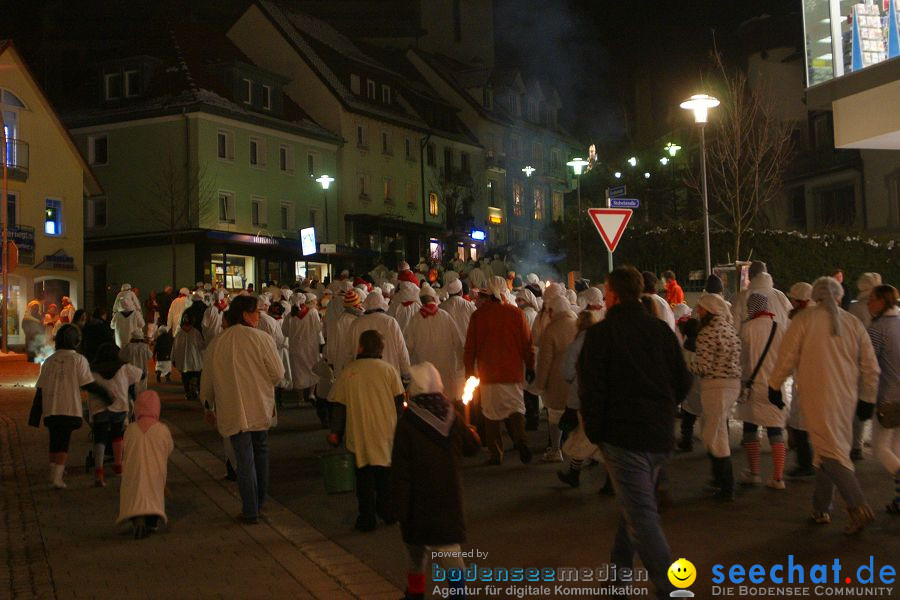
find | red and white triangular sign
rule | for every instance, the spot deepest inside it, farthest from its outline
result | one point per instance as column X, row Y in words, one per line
column 610, row 223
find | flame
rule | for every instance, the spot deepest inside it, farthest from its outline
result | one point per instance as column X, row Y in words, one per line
column 469, row 390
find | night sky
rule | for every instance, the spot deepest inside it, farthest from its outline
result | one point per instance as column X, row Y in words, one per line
column 591, row 50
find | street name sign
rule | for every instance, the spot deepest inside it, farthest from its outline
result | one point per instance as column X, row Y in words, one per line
column 615, row 192
column 624, row 203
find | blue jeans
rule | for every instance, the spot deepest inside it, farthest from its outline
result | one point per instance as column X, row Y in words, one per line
column 634, row 476
column 251, row 448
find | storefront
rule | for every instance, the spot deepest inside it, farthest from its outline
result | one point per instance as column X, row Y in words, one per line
column 391, row 240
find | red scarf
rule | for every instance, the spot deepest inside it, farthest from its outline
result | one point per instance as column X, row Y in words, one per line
column 221, row 305
column 302, row 313
column 408, row 302
column 762, row 313
column 428, row 310
column 64, row 319
column 594, row 307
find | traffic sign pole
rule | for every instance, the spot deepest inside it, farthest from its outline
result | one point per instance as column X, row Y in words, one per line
column 609, row 265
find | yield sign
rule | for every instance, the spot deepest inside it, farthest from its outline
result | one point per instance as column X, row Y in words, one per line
column 610, row 223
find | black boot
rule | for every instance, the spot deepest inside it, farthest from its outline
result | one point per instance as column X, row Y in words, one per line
column 570, row 476
column 686, row 444
column 724, row 478
column 230, row 473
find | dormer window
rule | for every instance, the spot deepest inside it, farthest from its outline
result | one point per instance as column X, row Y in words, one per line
column 386, row 94
column 370, row 89
column 533, row 112
column 248, row 92
column 267, row 97
column 132, row 83
column 354, row 84
column 112, row 86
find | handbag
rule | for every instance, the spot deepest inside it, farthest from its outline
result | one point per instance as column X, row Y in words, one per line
column 748, row 385
column 37, row 409
column 888, row 414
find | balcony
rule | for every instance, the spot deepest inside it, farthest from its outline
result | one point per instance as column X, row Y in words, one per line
column 17, row 159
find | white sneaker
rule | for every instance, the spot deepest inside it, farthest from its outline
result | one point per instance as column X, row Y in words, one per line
column 552, row 456
column 775, row 484
column 57, row 477
column 748, row 478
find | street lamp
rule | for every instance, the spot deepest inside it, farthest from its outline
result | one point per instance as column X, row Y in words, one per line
column 664, row 160
column 632, row 161
column 647, row 175
column 672, row 149
column 528, row 170
column 700, row 105
column 578, row 165
column 325, row 182
column 618, row 174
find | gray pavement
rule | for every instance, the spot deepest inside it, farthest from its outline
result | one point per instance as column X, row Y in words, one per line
column 64, row 544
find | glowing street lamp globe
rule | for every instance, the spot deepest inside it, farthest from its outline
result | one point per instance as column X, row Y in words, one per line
column 672, row 149
column 664, row 160
column 647, row 175
column 528, row 170
column 325, row 181
column 578, row 165
column 632, row 161
column 700, row 104
column 618, row 174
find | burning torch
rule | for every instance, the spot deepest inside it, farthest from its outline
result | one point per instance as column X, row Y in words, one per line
column 468, row 393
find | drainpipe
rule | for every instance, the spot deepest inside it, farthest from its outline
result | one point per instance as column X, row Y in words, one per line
column 422, row 146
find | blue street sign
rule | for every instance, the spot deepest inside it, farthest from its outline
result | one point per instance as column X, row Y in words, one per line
column 624, row 203
column 615, row 192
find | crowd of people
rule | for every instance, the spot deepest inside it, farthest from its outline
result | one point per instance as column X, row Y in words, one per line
column 384, row 356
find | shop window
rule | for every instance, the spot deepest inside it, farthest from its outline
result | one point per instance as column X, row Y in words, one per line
column 98, row 150
column 233, row 272
column 53, row 217
column 96, row 212
column 433, row 205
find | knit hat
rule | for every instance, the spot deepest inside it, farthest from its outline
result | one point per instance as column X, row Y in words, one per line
column 351, row 299
column 801, row 291
column 714, row 303
column 428, row 291
column 454, row 287
column 424, row 379
column 757, row 267
column 375, row 302
column 868, row 281
column 757, row 303
column 713, row 285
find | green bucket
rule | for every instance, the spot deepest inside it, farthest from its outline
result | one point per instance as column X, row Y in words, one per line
column 339, row 471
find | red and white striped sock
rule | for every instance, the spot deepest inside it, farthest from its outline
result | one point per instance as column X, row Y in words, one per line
column 752, row 450
column 778, row 452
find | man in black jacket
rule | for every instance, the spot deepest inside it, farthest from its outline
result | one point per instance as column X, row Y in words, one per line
column 631, row 378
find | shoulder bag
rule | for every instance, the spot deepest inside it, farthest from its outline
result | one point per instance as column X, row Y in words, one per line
column 748, row 385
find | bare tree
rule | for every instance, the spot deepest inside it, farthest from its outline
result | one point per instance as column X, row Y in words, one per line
column 457, row 194
column 181, row 195
column 748, row 150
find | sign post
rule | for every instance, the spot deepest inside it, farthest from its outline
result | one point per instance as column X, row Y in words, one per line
column 610, row 224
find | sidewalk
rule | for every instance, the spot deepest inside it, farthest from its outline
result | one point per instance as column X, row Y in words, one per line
column 64, row 544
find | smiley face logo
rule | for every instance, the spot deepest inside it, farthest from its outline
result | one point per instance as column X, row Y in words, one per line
column 682, row 573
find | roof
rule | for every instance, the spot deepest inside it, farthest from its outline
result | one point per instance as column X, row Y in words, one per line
column 334, row 57
column 90, row 184
column 187, row 78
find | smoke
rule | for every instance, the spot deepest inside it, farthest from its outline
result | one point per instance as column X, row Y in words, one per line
column 533, row 257
column 41, row 347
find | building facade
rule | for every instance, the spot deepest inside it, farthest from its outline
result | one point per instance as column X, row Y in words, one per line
column 47, row 183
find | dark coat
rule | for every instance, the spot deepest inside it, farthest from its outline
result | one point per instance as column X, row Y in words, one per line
column 195, row 313
column 162, row 349
column 96, row 332
column 631, row 376
column 426, row 487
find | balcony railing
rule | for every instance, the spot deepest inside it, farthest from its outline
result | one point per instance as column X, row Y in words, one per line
column 17, row 159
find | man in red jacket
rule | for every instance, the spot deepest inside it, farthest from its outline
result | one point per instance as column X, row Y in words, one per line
column 499, row 352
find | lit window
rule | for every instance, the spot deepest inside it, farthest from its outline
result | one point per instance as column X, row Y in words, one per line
column 132, row 84
column 387, row 189
column 557, row 208
column 98, row 150
column 267, row 97
column 433, row 207
column 112, row 86
column 518, row 192
column 53, row 217
column 538, row 204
